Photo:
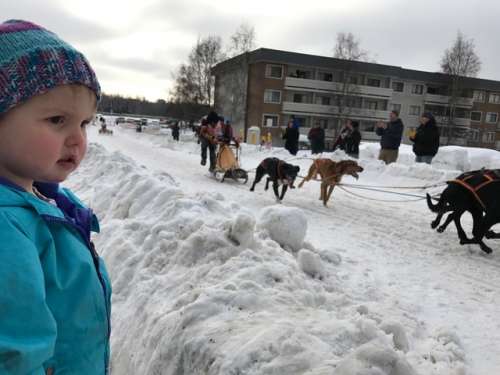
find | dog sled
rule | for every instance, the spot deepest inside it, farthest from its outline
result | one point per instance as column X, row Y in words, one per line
column 228, row 164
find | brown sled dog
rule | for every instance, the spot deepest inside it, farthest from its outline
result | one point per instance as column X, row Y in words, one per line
column 331, row 173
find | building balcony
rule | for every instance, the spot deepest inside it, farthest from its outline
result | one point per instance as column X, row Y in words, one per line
column 292, row 83
column 328, row 110
column 443, row 99
column 458, row 121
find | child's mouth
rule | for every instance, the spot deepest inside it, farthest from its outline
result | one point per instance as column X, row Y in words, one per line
column 68, row 162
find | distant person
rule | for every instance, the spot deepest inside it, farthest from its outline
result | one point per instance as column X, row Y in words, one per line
column 208, row 140
column 317, row 138
column 345, row 131
column 352, row 140
column 175, row 131
column 391, row 134
column 291, row 137
column 227, row 134
column 425, row 139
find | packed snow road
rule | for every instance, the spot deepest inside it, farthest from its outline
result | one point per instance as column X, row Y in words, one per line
column 393, row 267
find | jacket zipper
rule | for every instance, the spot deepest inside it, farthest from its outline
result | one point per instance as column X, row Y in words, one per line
column 95, row 259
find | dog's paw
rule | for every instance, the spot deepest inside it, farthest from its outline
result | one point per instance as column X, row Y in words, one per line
column 440, row 230
column 486, row 249
column 490, row 234
column 252, row 189
column 434, row 225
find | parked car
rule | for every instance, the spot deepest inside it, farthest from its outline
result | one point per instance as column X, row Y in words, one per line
column 119, row 120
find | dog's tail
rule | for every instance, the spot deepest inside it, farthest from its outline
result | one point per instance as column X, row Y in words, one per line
column 439, row 206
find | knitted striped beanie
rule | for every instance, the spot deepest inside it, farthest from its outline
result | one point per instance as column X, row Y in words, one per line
column 34, row 60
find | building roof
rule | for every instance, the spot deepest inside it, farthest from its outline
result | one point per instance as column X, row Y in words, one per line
column 294, row 58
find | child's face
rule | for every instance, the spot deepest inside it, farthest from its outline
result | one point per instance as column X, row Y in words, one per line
column 45, row 138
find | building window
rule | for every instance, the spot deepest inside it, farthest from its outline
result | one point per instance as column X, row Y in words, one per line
column 270, row 120
column 353, row 80
column 373, row 82
column 272, row 96
column 323, row 76
column 491, row 117
column 398, row 86
column 494, row 98
column 325, row 100
column 489, row 137
column 274, row 71
column 417, row 89
column 396, row 107
column 479, row 96
column 372, row 104
column 476, row 116
column 300, row 98
column 474, row 135
column 414, row 110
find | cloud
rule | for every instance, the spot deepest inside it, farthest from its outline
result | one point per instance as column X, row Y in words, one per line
column 148, row 40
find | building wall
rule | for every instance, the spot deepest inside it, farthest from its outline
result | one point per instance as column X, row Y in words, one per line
column 256, row 108
column 315, row 82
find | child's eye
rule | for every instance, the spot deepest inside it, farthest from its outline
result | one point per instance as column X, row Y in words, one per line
column 56, row 120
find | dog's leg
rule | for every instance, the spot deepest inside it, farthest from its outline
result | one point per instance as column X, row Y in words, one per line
column 276, row 193
column 491, row 234
column 437, row 220
column 324, row 192
column 448, row 220
column 479, row 230
column 460, row 231
column 330, row 191
column 258, row 176
column 283, row 191
column 267, row 184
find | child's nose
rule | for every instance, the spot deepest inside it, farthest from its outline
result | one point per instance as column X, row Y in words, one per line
column 77, row 136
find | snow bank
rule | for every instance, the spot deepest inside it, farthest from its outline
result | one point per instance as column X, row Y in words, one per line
column 199, row 288
column 285, row 225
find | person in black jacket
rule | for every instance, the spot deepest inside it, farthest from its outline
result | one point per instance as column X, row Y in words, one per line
column 317, row 138
column 353, row 140
column 291, row 138
column 175, row 131
column 426, row 139
column 391, row 134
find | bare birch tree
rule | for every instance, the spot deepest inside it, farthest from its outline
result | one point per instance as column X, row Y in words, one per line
column 458, row 62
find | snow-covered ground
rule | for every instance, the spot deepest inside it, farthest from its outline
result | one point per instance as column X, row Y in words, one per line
column 211, row 278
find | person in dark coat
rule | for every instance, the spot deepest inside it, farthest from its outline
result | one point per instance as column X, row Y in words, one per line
column 343, row 134
column 317, row 138
column 175, row 131
column 353, row 140
column 391, row 134
column 291, row 138
column 426, row 139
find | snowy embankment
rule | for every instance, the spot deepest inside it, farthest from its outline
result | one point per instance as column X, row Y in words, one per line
column 203, row 285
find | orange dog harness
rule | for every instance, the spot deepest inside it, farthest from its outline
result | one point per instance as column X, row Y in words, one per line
column 482, row 178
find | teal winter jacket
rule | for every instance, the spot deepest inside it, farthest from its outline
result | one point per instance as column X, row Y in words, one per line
column 54, row 289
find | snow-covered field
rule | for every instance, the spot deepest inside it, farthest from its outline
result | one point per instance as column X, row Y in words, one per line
column 211, row 278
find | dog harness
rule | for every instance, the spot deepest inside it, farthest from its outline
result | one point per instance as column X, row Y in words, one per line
column 480, row 179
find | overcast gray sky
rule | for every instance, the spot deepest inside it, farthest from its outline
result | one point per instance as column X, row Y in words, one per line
column 136, row 45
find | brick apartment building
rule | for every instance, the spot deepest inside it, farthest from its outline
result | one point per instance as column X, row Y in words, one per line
column 266, row 87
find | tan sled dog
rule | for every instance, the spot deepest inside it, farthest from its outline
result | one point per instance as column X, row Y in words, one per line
column 331, row 173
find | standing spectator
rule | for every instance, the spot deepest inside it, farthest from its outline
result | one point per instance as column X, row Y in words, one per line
column 317, row 138
column 291, row 138
column 353, row 140
column 344, row 133
column 391, row 134
column 175, row 131
column 425, row 139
